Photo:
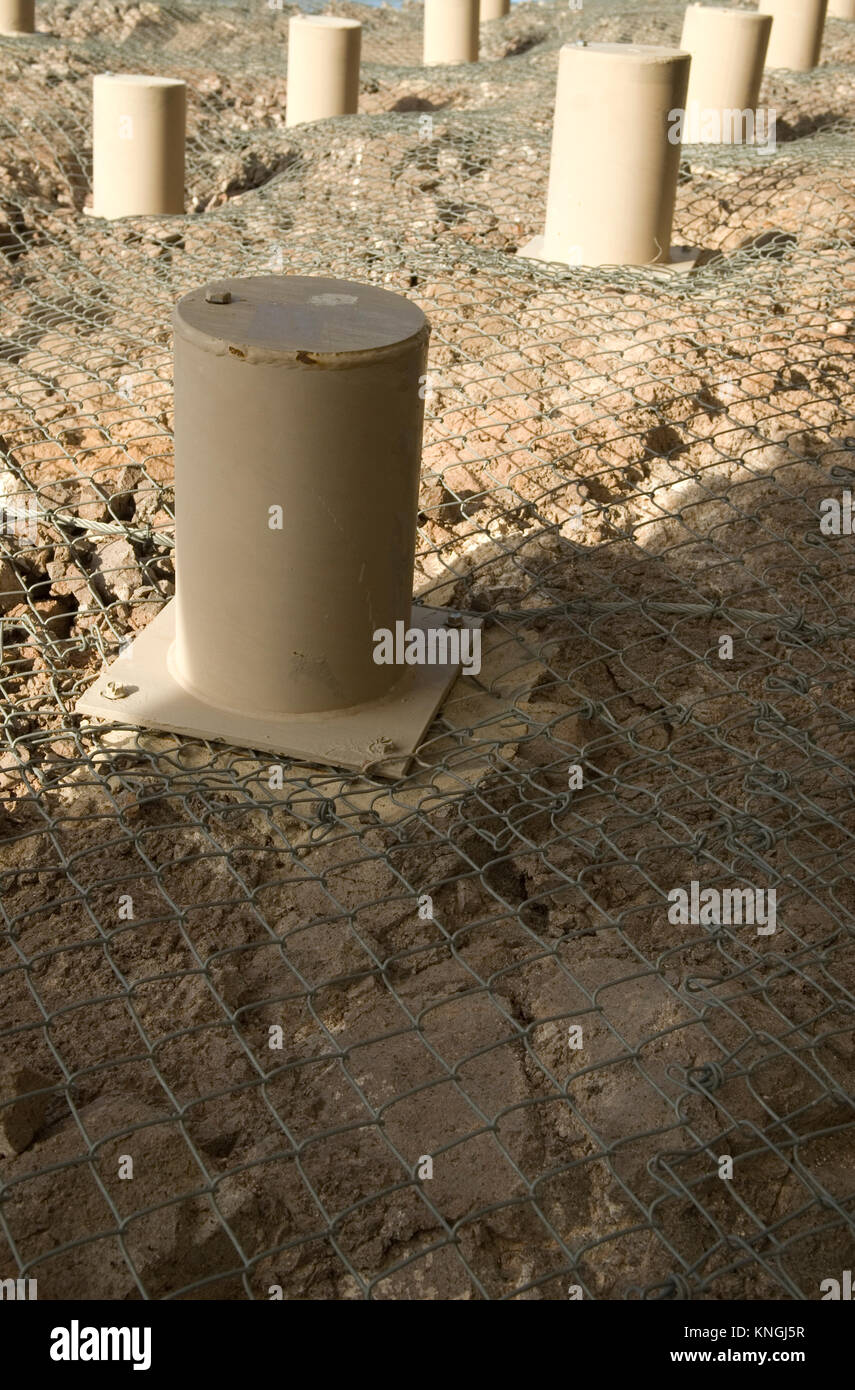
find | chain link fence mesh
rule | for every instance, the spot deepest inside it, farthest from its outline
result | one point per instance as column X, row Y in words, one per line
column 473, row 964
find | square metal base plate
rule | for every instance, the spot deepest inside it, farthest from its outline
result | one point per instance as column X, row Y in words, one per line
column 681, row 257
column 378, row 738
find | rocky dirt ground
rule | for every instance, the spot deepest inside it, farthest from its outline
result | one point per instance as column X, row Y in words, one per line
column 620, row 468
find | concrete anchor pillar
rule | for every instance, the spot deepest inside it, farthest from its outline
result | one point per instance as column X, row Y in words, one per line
column 137, row 145
column 298, row 427
column 17, row 17
column 323, row 67
column 728, row 49
column 796, row 33
column 451, row 31
column 613, row 168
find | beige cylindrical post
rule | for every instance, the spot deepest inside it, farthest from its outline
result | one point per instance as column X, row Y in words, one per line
column 137, row 145
column 494, row 9
column 728, row 49
column 298, row 425
column 323, row 67
column 613, row 168
column 796, row 33
column 17, row 16
column 841, row 9
column 451, row 31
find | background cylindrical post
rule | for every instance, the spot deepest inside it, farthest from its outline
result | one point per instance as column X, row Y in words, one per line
column 841, row 9
column 494, row 9
column 137, row 145
column 323, row 67
column 796, row 37
column 728, row 49
column 451, row 31
column 17, row 16
column 300, row 394
column 613, row 170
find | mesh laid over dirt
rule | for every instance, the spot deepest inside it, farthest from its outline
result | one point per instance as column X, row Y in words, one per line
column 279, row 990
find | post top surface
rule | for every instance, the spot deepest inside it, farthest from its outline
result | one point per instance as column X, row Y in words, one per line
column 275, row 315
column 325, row 21
column 632, row 52
column 138, row 79
column 752, row 15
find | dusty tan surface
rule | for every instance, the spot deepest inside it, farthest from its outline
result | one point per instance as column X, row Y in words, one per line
column 619, row 468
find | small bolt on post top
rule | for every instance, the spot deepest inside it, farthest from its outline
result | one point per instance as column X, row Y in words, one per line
column 298, row 428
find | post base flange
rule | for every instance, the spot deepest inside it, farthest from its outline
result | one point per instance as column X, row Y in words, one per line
column 682, row 258
column 378, row 738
